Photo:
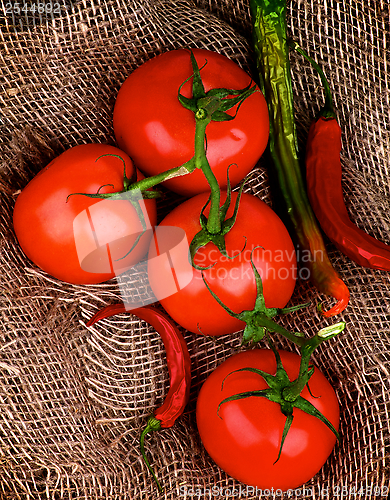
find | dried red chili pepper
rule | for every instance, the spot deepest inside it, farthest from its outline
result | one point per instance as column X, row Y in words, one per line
column 179, row 367
column 323, row 175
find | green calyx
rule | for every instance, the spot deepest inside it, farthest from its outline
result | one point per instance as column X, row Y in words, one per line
column 222, row 224
column 287, row 393
column 259, row 320
column 131, row 189
column 212, row 105
column 153, row 424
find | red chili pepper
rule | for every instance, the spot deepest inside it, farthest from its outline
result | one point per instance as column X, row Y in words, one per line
column 323, row 176
column 179, row 367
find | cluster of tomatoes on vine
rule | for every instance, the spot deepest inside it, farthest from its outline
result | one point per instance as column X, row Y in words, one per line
column 195, row 122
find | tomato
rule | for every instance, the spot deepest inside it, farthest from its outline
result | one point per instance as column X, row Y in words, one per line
column 232, row 280
column 244, row 439
column 157, row 132
column 81, row 239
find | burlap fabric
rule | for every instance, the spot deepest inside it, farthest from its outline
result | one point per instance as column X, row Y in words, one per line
column 72, row 399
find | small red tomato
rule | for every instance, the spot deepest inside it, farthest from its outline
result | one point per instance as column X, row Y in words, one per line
column 158, row 133
column 244, row 438
column 75, row 238
column 231, row 279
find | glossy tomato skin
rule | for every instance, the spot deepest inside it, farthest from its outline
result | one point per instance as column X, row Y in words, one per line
column 244, row 439
column 192, row 306
column 157, row 132
column 48, row 225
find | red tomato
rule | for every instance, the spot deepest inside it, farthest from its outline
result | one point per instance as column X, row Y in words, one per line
column 244, row 440
column 233, row 280
column 157, row 132
column 81, row 240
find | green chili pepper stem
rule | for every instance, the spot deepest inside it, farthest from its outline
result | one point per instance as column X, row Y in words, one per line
column 152, row 425
column 327, row 111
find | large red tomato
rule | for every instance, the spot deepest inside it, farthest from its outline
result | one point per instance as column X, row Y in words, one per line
column 244, row 439
column 233, row 280
column 157, row 132
column 80, row 239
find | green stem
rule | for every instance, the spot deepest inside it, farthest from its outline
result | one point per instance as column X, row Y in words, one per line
column 203, row 118
column 327, row 110
column 292, row 392
column 211, row 106
column 199, row 161
column 149, row 182
column 261, row 321
column 153, row 424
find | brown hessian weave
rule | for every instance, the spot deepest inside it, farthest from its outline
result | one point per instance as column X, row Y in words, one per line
column 73, row 399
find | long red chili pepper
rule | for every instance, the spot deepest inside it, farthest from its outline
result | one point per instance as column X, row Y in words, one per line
column 323, row 175
column 179, row 367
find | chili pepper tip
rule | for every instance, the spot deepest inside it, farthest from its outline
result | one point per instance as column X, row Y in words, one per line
column 336, row 309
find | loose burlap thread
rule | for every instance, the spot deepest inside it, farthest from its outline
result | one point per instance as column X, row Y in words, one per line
column 73, row 400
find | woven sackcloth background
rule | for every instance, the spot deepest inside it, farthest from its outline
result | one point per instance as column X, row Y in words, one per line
column 73, row 399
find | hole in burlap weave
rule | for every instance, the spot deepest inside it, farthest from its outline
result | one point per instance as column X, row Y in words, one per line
column 73, row 400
